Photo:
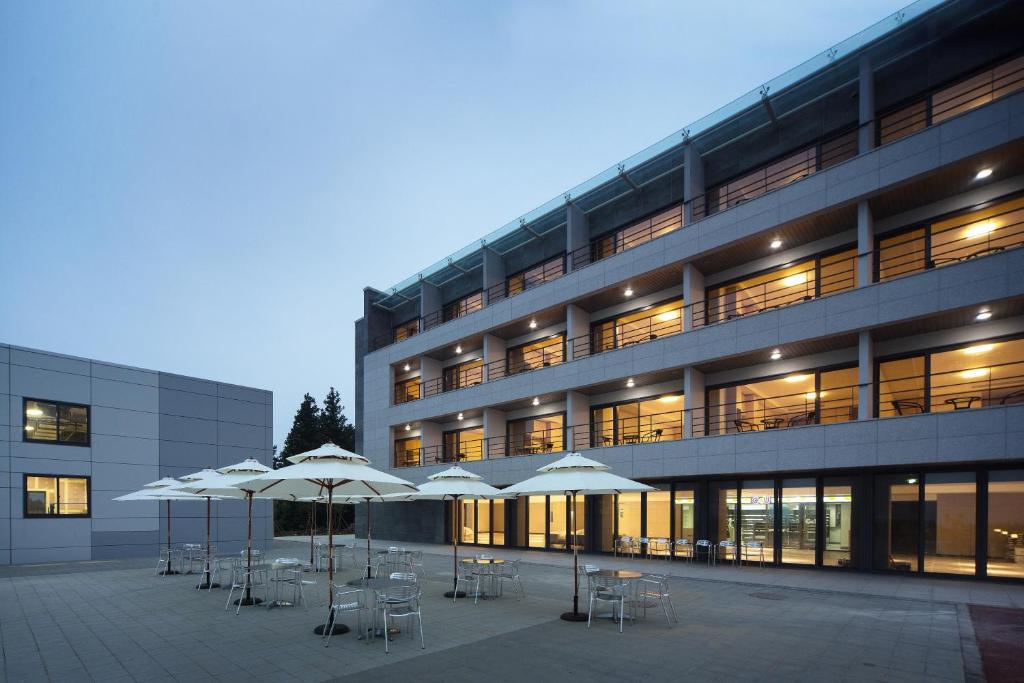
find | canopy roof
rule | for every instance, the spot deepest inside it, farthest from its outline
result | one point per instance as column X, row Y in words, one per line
column 226, row 482
column 574, row 474
column 455, row 482
column 162, row 489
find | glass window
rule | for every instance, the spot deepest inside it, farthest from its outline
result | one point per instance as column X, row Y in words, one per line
column 643, row 421
column 407, row 329
column 497, row 522
column 468, row 521
column 761, row 292
column 1005, row 532
column 483, row 522
column 837, row 272
column 463, row 306
column 799, row 520
column 897, row 519
column 557, row 512
column 57, row 423
column 838, row 396
column 628, row 514
column 901, row 387
column 659, row 522
column 538, row 520
column 646, row 324
column 638, row 233
column 978, row 90
column 982, row 374
column 461, row 445
column 838, row 510
column 47, row 496
column 977, row 233
column 537, row 275
column 407, row 452
column 463, row 375
column 606, row 522
column 949, row 523
column 726, row 497
column 538, row 354
column 903, row 122
column 757, row 519
column 902, row 254
column 578, row 521
column 683, row 509
column 765, row 179
column 407, row 390
column 543, row 434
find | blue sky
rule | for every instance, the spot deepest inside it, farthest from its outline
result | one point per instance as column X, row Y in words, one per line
column 205, row 188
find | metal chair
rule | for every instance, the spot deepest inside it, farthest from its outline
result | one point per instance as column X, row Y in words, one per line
column 169, row 557
column 756, row 548
column 510, row 572
column 706, row 546
column 221, row 567
column 624, row 545
column 723, row 550
column 401, row 602
column 907, row 407
column 409, row 577
column 467, row 575
column 415, row 561
column 659, row 546
column 687, row 548
column 247, row 578
column 653, row 589
column 610, row 591
column 345, row 599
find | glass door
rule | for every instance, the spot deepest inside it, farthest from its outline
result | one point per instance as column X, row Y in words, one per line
column 799, row 521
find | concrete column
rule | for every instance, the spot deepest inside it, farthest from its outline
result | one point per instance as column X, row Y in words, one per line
column 865, row 376
column 495, row 426
column 693, row 180
column 693, row 392
column 430, row 369
column 430, row 299
column 865, row 245
column 577, row 327
column 494, row 273
column 494, row 350
column 693, row 295
column 577, row 420
column 430, row 435
column 866, row 106
column 577, row 233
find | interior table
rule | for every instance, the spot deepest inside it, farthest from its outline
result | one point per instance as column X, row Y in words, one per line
column 962, row 402
column 772, row 422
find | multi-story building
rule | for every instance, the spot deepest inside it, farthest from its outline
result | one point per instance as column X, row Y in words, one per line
column 76, row 433
column 801, row 319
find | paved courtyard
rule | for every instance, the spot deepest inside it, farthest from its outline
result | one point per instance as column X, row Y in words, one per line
column 115, row 621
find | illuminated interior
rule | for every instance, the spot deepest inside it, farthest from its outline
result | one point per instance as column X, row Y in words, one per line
column 647, row 324
column 407, row 452
column 463, row 375
column 407, row 329
column 56, row 496
column 543, row 434
column 539, row 274
column 464, row 444
column 539, row 354
column 56, row 422
column 407, row 390
column 642, row 421
column 1005, row 530
column 638, row 233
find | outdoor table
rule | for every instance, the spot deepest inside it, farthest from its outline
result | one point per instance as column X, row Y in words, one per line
column 189, row 552
column 378, row 585
column 278, row 568
column 490, row 563
column 628, row 574
column 962, row 402
column 772, row 422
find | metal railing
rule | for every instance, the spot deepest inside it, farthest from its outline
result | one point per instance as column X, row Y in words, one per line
column 528, row 279
column 450, row 381
column 837, row 404
column 406, row 391
column 638, row 331
column 667, row 426
column 628, row 237
column 796, row 287
column 978, row 387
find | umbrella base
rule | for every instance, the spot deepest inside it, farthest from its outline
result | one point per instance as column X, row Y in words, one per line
column 207, row 585
column 168, row 572
column 455, row 594
column 573, row 616
column 338, row 629
column 247, row 602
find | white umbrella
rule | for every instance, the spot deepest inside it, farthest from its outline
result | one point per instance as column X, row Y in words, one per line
column 189, row 479
column 333, row 470
column 229, row 482
column 163, row 489
column 571, row 475
column 455, row 484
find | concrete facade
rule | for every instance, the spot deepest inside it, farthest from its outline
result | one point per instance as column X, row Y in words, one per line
column 144, row 425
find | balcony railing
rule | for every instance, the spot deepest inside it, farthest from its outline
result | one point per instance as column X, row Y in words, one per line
column 637, row 331
column 626, row 431
column 406, row 391
column 518, row 284
column 796, row 287
column 627, row 238
column 994, row 385
column 779, row 412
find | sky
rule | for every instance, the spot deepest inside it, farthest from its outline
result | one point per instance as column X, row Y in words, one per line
column 205, row 188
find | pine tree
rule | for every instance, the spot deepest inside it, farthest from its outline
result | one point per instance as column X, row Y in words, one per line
column 334, row 426
column 305, row 433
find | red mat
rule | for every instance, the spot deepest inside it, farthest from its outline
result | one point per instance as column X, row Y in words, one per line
column 1000, row 635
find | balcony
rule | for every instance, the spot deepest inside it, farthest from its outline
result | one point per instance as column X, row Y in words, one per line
column 623, row 239
column 648, row 324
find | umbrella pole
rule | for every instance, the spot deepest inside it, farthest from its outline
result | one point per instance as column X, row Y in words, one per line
column 168, row 570
column 574, row 615
column 369, row 574
column 312, row 529
column 207, row 576
column 330, row 625
column 247, row 598
column 454, row 592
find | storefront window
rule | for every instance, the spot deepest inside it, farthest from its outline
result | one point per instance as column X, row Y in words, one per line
column 757, row 520
column 557, row 511
column 726, row 497
column 683, row 510
column 483, row 522
column 628, row 514
column 949, row 523
column 498, row 522
column 659, row 521
column 1005, row 530
column 538, row 520
column 468, row 522
column 799, row 521
column 838, row 510
column 897, row 520
column 578, row 521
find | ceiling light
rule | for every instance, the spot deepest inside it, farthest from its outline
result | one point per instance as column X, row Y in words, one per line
column 794, row 280
column 974, row 373
column 983, row 314
column 980, row 348
column 628, row 292
column 630, row 383
column 980, row 229
column 776, row 354
column 792, row 379
column 536, row 401
column 668, row 315
column 34, row 412
column 458, row 348
column 460, row 416
column 408, row 427
column 810, row 396
column 406, row 367
column 533, row 324
column 29, row 428
column 997, row 530
column 983, row 173
column 776, row 243
column 671, row 398
column 912, row 480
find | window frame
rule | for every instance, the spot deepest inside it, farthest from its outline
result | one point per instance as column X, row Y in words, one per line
column 57, row 442
column 522, row 272
column 594, row 324
column 24, row 496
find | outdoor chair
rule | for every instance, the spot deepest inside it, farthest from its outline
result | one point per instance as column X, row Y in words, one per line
column 801, row 420
column 410, row 578
column 610, row 591
column 653, row 590
column 222, row 570
column 401, row 602
column 193, row 555
column 907, row 407
column 245, row 577
column 467, row 575
column 510, row 572
column 755, row 548
column 744, row 426
column 643, row 547
column 624, row 545
column 724, row 548
column 1013, row 398
column 684, row 547
column 345, row 599
column 705, row 546
column 169, row 559
column 416, row 562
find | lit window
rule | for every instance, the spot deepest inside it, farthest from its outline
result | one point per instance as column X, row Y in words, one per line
column 58, row 423
column 47, row 496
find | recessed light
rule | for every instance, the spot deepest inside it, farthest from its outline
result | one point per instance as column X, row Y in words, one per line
column 406, row 367
column 980, row 348
column 792, row 379
column 536, row 401
column 408, row 427
column 776, row 243
column 629, row 382
column 460, row 416
column 458, row 348
column 29, row 428
column 533, row 324
column 34, row 412
column 983, row 314
column 912, row 480
column 983, row 173
column 628, row 292
column 671, row 398
column 776, row 354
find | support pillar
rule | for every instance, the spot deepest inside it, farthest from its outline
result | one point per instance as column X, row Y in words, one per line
column 494, row 274
column 693, row 297
column 865, row 245
column 495, row 428
column 494, row 352
column 693, row 395
column 577, row 419
column 866, row 106
column 865, row 376
column 577, row 332
column 577, row 236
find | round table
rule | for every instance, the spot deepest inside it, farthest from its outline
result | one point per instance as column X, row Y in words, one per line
column 376, row 585
column 277, row 569
column 478, row 560
column 486, row 562
column 618, row 574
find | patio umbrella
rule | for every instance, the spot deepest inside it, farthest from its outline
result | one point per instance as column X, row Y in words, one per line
column 387, row 498
column 165, row 489
column 571, row 475
column 337, row 472
column 188, row 479
column 455, row 484
column 228, row 482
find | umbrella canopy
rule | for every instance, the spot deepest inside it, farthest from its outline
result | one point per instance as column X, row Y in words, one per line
column 165, row 489
column 334, row 471
column 206, row 581
column 568, row 476
column 455, row 484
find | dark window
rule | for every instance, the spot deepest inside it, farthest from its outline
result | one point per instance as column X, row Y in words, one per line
column 407, row 329
column 53, row 422
column 51, row 496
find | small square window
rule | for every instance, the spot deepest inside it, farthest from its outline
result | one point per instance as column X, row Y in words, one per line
column 51, row 496
column 55, row 422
